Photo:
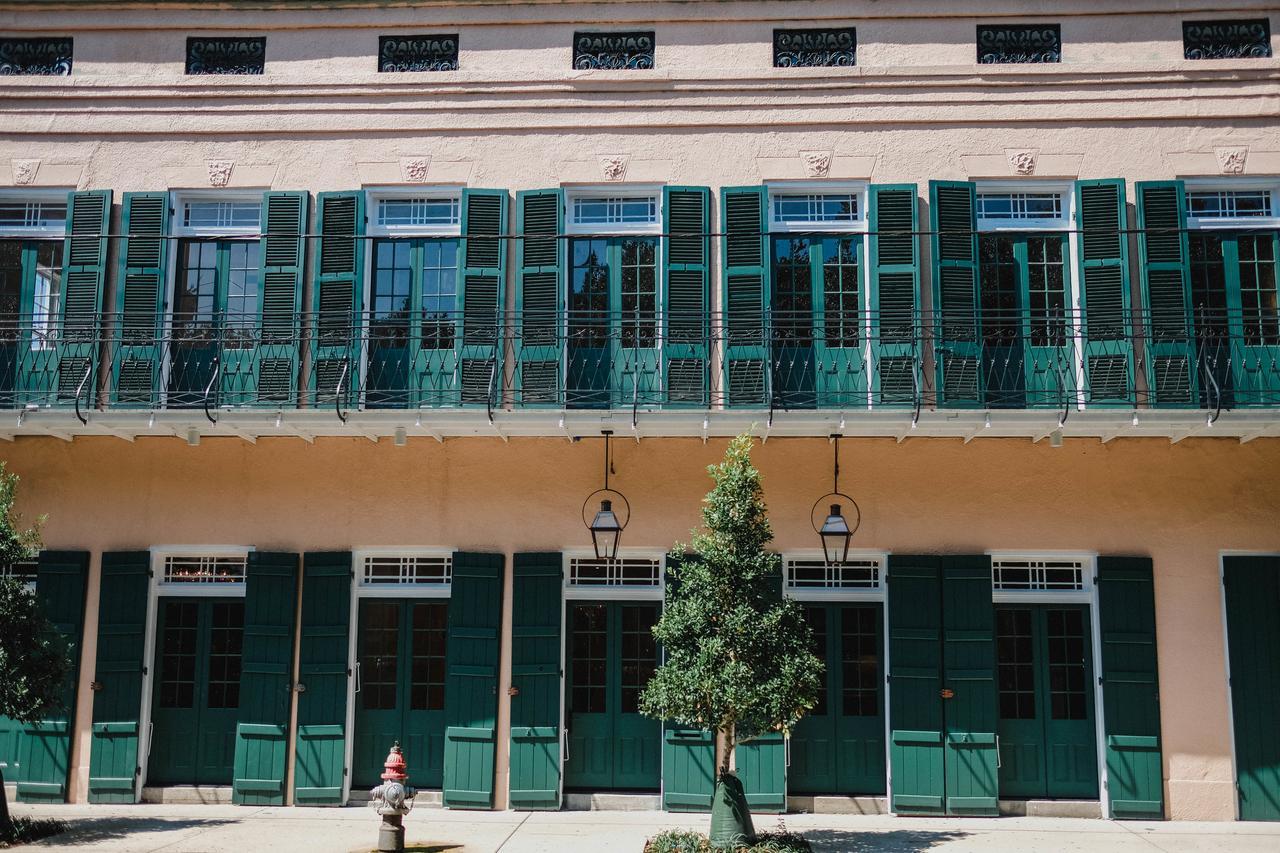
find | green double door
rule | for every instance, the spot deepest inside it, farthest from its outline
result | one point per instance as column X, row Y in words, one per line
column 838, row 748
column 611, row 656
column 1047, row 729
column 400, row 655
column 196, row 698
column 1253, row 644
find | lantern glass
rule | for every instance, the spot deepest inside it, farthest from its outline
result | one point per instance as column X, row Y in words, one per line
column 606, row 532
column 835, row 537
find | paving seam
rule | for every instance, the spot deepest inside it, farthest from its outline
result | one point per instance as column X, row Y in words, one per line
column 513, row 831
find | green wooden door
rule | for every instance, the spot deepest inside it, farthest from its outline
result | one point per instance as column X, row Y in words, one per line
column 196, row 695
column 535, row 680
column 320, row 768
column 401, row 658
column 968, row 666
column 1253, row 638
column 915, row 679
column 611, row 656
column 838, row 748
column 11, row 730
column 1048, row 742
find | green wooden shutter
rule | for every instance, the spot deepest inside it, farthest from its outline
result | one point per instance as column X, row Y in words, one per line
column 274, row 375
column 969, row 670
column 471, row 680
column 1104, row 286
column 1252, row 588
column 686, row 296
column 535, row 672
column 46, row 747
column 895, row 293
column 484, row 275
column 953, row 219
column 262, row 733
column 761, row 762
column 1130, row 687
column 117, row 676
column 688, row 753
column 84, row 275
column 540, row 297
column 744, row 218
column 915, row 679
column 338, row 300
column 140, row 300
column 1172, row 377
column 323, row 672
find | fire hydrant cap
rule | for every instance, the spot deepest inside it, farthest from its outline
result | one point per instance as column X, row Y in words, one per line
column 394, row 766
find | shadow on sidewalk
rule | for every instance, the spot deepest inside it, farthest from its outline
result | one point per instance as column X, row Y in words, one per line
column 91, row 830
column 895, row 841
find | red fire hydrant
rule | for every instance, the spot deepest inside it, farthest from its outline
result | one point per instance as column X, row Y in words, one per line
column 393, row 799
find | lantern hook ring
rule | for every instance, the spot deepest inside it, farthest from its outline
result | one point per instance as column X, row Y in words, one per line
column 625, row 505
column 854, row 523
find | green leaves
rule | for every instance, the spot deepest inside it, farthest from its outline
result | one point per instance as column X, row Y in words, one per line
column 738, row 655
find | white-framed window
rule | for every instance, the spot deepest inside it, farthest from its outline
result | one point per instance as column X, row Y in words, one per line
column 818, row 207
column 216, row 213
column 200, row 571
column 1239, row 203
column 613, row 210
column 424, row 572
column 1038, row 577
column 424, row 212
column 635, row 574
column 1023, row 206
column 34, row 214
column 806, row 575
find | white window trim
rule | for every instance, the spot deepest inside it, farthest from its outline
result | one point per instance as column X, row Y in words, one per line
column 178, row 198
column 23, row 196
column 397, row 590
column 653, row 191
column 376, row 195
column 230, row 589
column 1220, row 185
column 1063, row 223
column 876, row 593
column 601, row 592
column 1089, row 568
column 861, row 189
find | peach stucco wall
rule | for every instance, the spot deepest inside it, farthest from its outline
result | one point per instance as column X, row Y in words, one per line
column 1181, row 504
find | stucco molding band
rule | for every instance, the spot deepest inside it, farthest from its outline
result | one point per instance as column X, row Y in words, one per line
column 1193, row 164
column 797, row 167
column 1006, row 165
column 406, row 170
column 637, row 171
column 215, row 173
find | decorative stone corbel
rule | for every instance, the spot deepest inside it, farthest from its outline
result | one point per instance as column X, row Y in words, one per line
column 1231, row 161
column 24, row 171
column 817, row 164
column 413, row 170
column 614, row 166
column 1023, row 160
column 220, row 172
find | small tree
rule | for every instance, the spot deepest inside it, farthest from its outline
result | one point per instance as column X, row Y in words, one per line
column 34, row 664
column 739, row 658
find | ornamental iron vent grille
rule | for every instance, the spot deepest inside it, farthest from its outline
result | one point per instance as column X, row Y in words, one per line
column 407, row 569
column 624, row 571
column 820, row 48
column 856, row 573
column 1019, row 43
column 616, row 51
column 1226, row 39
column 47, row 56
column 418, row 53
column 226, row 55
column 1013, row 574
column 23, row 571
column 204, row 569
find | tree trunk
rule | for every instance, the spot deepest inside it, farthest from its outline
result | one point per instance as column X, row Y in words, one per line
column 6, row 822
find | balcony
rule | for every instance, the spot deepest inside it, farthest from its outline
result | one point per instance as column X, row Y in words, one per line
column 539, row 373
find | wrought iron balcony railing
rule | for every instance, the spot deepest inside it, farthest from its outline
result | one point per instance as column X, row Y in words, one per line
column 598, row 360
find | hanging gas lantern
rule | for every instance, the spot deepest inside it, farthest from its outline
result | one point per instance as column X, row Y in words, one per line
column 836, row 531
column 606, row 529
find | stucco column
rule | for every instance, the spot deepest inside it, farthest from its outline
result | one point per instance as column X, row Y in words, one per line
column 78, row 758
column 502, row 734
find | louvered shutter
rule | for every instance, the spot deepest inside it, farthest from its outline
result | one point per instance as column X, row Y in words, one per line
column 540, row 297
column 140, row 301
column 1172, row 377
column 743, row 214
column 958, row 347
column 262, row 731
column 687, row 256
column 338, row 297
column 323, row 671
column 84, row 259
column 283, row 249
column 1104, row 285
column 117, row 676
column 895, row 293
column 536, row 649
column 484, row 274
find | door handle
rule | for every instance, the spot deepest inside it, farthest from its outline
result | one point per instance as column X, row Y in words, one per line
column 357, row 690
column 565, row 760
column 998, row 762
column 787, row 749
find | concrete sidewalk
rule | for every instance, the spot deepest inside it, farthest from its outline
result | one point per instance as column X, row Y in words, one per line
column 232, row 829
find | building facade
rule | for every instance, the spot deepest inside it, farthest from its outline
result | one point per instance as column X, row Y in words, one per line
column 319, row 325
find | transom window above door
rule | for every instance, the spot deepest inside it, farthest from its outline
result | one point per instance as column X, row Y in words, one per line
column 1040, row 208
column 437, row 213
column 614, row 211
column 1034, row 577
column 1223, row 206
column 803, row 574
column 631, row 572
column 200, row 571
column 817, row 208
column 377, row 570
column 212, row 216
column 33, row 215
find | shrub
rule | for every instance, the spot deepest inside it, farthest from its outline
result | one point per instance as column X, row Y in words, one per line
column 687, row 841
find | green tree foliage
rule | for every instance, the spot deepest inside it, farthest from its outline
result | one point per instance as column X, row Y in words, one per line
column 34, row 663
column 739, row 657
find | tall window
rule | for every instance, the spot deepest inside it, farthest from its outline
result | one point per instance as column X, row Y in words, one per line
column 31, row 286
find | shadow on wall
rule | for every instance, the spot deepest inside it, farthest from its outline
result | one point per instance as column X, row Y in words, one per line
column 896, row 841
